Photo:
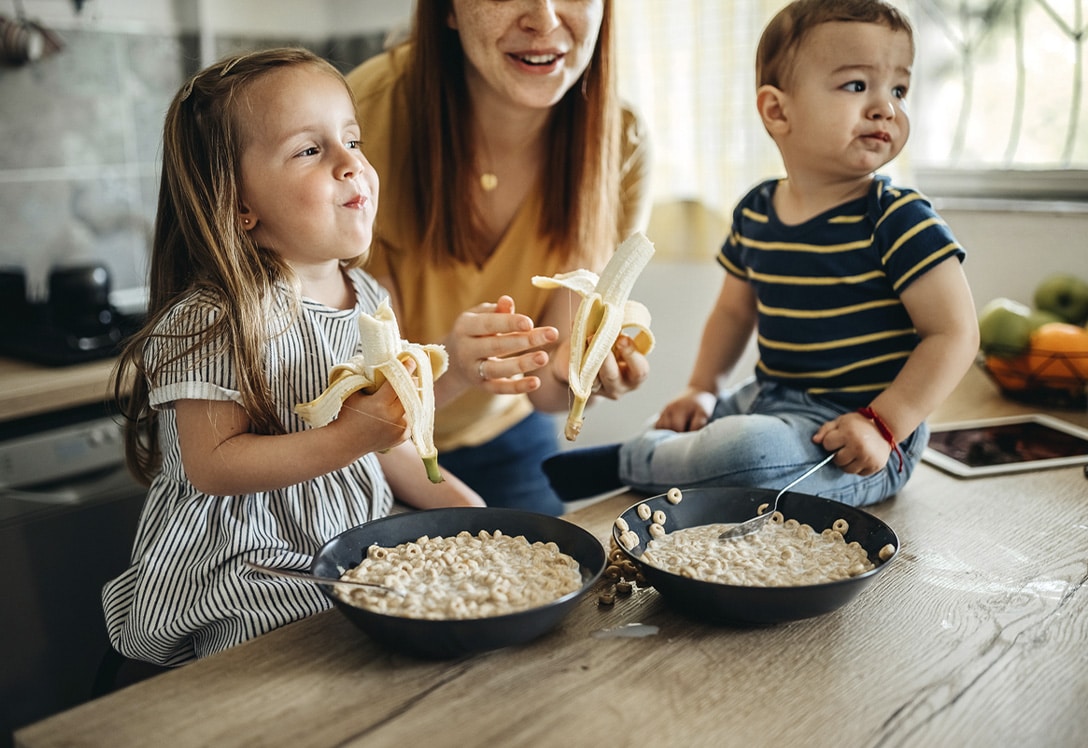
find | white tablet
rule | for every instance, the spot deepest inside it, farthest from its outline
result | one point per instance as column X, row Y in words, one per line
column 993, row 446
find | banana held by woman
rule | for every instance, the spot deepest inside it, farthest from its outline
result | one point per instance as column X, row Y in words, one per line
column 603, row 314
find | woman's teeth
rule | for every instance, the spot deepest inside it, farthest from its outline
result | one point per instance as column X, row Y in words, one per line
column 538, row 59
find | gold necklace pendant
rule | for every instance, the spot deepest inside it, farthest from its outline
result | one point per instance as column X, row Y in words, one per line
column 488, row 181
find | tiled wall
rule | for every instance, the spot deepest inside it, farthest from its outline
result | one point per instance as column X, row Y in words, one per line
column 81, row 133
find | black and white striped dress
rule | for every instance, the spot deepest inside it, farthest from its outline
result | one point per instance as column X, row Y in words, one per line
column 186, row 593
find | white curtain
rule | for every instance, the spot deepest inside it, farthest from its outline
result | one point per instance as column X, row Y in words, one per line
column 688, row 66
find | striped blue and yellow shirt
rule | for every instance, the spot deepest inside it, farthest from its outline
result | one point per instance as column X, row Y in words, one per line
column 830, row 320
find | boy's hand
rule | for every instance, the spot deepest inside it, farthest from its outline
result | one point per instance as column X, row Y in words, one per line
column 688, row 412
column 861, row 448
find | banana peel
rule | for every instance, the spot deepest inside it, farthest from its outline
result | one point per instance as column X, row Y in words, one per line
column 604, row 313
column 381, row 358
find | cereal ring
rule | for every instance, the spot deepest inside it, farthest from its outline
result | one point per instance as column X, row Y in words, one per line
column 674, row 496
column 644, row 511
column 886, row 552
column 840, row 526
column 621, row 524
column 659, row 517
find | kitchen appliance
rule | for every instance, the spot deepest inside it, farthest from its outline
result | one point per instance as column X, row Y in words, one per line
column 75, row 323
column 68, row 514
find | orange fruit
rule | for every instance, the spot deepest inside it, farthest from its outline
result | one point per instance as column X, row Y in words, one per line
column 1059, row 352
column 1009, row 373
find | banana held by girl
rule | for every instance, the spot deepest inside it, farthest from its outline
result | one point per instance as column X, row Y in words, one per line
column 380, row 357
column 603, row 314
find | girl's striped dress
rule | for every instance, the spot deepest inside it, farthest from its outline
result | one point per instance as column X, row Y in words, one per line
column 187, row 593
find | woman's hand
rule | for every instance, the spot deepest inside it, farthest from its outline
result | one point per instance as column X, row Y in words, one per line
column 493, row 347
column 861, row 448
column 623, row 370
column 688, row 412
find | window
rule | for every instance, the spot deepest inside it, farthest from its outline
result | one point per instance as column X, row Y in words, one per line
column 1000, row 105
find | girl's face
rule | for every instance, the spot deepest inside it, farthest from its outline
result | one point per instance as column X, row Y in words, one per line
column 528, row 52
column 846, row 100
column 307, row 191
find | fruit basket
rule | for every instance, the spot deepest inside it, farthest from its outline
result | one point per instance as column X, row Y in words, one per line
column 1040, row 377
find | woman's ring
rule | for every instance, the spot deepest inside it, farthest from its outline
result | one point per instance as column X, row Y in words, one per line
column 480, row 369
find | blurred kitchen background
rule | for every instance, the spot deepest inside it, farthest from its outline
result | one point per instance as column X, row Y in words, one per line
column 81, row 126
column 999, row 142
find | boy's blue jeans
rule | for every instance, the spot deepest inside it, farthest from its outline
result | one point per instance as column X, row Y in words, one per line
column 760, row 435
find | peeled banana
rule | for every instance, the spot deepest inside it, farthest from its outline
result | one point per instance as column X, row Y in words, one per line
column 380, row 357
column 604, row 312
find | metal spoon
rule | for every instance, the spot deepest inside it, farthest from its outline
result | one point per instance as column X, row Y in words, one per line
column 320, row 580
column 748, row 526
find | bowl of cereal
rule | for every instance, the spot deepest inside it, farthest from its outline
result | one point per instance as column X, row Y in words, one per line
column 467, row 579
column 813, row 557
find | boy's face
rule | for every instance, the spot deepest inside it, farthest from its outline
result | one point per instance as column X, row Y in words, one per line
column 307, row 191
column 846, row 99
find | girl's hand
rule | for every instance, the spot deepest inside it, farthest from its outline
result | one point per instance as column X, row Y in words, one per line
column 373, row 423
column 688, row 412
column 492, row 347
column 861, row 448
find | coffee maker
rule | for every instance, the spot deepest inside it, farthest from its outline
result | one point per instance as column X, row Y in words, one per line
column 75, row 323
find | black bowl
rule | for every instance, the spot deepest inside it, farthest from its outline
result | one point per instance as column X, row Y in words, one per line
column 440, row 639
column 724, row 603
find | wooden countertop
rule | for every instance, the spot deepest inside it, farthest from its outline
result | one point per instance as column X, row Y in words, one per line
column 30, row 389
column 973, row 637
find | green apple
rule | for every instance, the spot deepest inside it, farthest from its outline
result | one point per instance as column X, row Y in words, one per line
column 1040, row 317
column 1005, row 327
column 1065, row 295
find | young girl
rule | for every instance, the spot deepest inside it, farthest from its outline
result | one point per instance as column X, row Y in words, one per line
column 265, row 215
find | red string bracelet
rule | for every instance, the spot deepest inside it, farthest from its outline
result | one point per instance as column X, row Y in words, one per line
column 884, row 432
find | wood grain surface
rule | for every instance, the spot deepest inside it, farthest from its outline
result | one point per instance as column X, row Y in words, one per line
column 974, row 636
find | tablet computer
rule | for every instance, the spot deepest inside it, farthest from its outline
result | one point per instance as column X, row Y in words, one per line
column 993, row 446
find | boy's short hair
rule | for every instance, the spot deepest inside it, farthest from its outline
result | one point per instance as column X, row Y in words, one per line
column 784, row 34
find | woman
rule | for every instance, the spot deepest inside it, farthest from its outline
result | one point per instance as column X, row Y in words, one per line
column 504, row 153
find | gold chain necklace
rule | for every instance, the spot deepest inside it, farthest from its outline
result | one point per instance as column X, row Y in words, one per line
column 489, row 180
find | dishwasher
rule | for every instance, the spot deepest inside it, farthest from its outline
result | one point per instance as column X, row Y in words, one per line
column 68, row 515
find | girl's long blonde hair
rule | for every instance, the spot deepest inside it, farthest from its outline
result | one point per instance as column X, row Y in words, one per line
column 581, row 178
column 200, row 246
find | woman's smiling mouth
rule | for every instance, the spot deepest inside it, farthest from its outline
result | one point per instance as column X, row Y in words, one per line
column 537, row 59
